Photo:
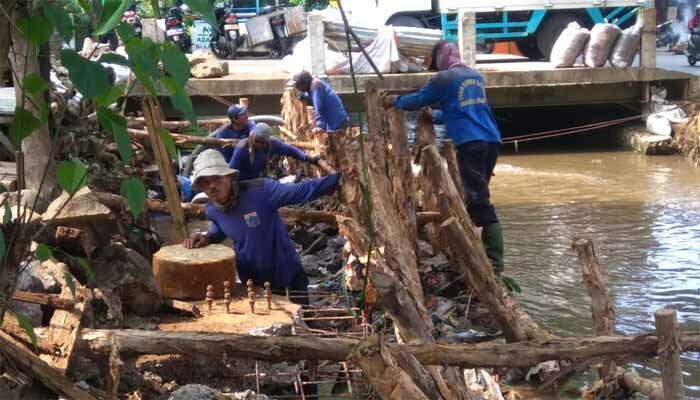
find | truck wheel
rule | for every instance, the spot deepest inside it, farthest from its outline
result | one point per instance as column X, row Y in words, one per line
column 528, row 46
column 406, row 20
column 549, row 31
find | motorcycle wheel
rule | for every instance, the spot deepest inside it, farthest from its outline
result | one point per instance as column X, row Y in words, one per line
column 219, row 52
column 232, row 49
column 692, row 60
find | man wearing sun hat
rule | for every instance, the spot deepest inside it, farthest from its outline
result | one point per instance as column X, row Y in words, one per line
column 246, row 212
column 239, row 128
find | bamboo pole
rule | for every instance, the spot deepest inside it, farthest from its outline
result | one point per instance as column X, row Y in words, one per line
column 670, row 354
column 153, row 118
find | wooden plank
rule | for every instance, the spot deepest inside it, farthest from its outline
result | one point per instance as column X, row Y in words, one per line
column 64, row 328
column 32, row 365
column 50, row 300
column 167, row 176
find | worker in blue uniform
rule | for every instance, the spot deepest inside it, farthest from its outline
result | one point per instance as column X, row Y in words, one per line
column 247, row 213
column 239, row 128
column 329, row 112
column 252, row 156
column 459, row 91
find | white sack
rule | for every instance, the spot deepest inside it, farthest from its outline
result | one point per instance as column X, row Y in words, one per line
column 603, row 37
column 569, row 45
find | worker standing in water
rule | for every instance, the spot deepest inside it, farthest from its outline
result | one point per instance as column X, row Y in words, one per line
column 459, row 90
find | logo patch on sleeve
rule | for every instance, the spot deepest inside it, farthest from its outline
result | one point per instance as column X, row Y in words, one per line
column 251, row 219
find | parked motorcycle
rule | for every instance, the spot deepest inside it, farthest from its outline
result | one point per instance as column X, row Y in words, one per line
column 665, row 35
column 693, row 51
column 281, row 46
column 131, row 18
column 226, row 40
column 175, row 29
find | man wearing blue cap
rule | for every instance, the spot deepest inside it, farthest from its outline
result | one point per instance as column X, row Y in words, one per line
column 239, row 128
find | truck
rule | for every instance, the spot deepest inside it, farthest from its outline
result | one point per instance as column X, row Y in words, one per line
column 534, row 25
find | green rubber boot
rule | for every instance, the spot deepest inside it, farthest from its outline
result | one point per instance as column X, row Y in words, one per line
column 492, row 237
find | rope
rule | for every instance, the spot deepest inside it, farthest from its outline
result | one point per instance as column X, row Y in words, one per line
column 580, row 128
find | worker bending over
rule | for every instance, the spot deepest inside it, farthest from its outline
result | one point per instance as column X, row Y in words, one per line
column 329, row 112
column 252, row 156
column 246, row 212
column 459, row 90
column 239, row 128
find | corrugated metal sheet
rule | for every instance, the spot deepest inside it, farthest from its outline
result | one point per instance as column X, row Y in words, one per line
column 7, row 101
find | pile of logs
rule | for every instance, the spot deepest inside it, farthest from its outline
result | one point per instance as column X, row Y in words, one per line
column 687, row 139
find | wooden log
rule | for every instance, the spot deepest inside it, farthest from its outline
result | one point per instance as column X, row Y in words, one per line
column 49, row 300
column 449, row 153
column 601, row 306
column 165, row 168
column 670, row 354
column 33, row 366
column 385, row 375
column 399, row 155
column 183, row 273
column 64, row 328
column 182, row 140
column 466, row 246
column 635, row 383
column 97, row 343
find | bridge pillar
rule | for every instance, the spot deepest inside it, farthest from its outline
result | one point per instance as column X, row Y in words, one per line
column 466, row 34
column 317, row 44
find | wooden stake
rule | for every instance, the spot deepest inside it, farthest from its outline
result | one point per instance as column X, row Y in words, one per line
column 32, row 365
column 49, row 300
column 115, row 371
column 670, row 354
column 64, row 328
column 167, row 176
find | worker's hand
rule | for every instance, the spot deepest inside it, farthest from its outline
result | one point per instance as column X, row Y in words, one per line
column 316, row 131
column 388, row 101
column 196, row 240
column 313, row 159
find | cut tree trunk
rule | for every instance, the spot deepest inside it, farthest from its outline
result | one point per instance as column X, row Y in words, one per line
column 36, row 147
column 95, row 343
column 601, row 305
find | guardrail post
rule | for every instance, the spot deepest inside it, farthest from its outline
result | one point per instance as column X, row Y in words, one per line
column 466, row 34
column 317, row 44
column 647, row 57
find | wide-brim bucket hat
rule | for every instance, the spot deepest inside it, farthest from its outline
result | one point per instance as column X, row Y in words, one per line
column 211, row 163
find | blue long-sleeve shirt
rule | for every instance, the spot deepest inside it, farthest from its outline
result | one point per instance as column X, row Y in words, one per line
column 227, row 132
column 462, row 98
column 255, row 169
column 329, row 111
column 264, row 251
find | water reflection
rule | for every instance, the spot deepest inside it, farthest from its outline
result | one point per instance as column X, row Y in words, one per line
column 643, row 214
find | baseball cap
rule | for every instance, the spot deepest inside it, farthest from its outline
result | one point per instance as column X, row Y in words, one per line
column 235, row 110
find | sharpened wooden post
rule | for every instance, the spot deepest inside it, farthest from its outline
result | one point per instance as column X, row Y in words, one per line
column 670, row 354
column 172, row 196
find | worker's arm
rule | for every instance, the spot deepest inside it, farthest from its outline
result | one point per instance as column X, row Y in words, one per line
column 425, row 96
column 281, row 195
column 239, row 152
column 202, row 239
column 288, row 150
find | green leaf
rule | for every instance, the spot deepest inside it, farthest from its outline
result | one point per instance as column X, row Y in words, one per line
column 37, row 29
column 86, row 7
column 59, row 18
column 34, row 84
column 70, row 282
column 180, row 99
column 144, row 55
column 8, row 215
column 134, row 192
column 26, row 325
column 43, row 113
column 176, row 63
column 43, row 252
column 89, row 77
column 126, row 32
column 2, row 247
column 71, row 176
column 110, row 96
column 114, row 58
column 116, row 125
column 86, row 268
column 167, row 139
column 112, row 12
column 24, row 124
column 204, row 8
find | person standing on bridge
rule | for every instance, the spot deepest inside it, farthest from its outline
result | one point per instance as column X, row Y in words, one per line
column 252, row 156
column 459, row 90
column 329, row 112
column 239, row 128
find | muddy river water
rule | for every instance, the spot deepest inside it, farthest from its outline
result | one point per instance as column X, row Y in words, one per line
column 643, row 215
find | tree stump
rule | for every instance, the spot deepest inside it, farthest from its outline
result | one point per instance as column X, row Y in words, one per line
column 183, row 273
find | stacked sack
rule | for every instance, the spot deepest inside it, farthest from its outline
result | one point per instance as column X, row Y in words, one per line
column 605, row 42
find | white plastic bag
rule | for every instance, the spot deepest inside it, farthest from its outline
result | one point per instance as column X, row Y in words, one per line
column 626, row 47
column 603, row 37
column 659, row 125
column 569, row 45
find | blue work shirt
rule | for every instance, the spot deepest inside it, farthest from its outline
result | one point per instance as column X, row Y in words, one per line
column 329, row 111
column 264, row 251
column 255, row 169
column 227, row 132
column 462, row 98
